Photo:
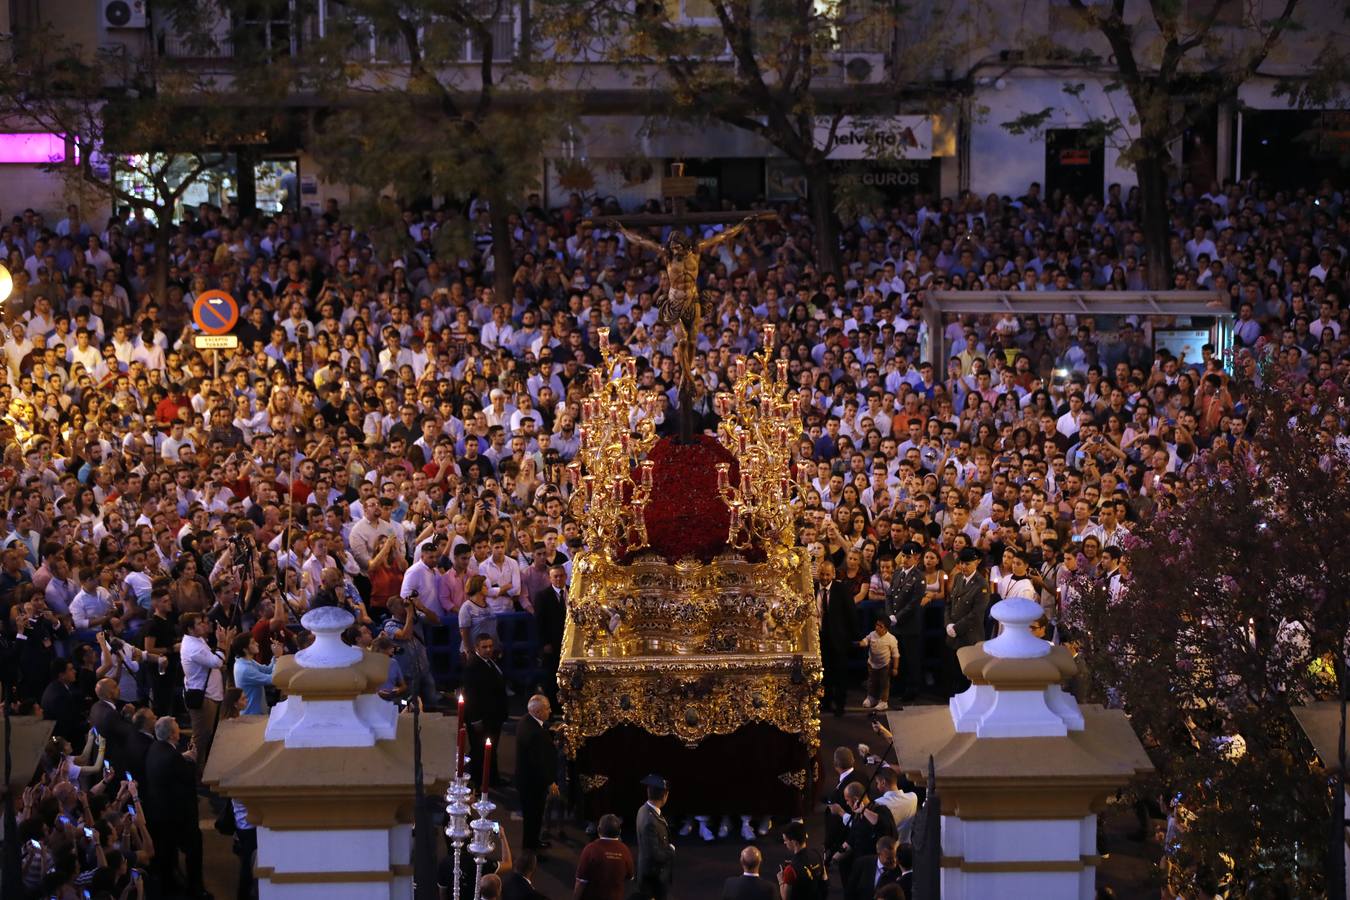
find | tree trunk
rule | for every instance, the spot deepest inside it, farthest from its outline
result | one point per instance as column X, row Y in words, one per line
column 503, row 259
column 824, row 221
column 1153, row 220
column 159, row 283
column 247, row 195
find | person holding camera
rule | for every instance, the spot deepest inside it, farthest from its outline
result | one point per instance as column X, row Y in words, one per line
column 203, row 681
column 403, row 627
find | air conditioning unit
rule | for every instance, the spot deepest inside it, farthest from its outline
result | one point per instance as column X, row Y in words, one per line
column 124, row 13
column 864, row 68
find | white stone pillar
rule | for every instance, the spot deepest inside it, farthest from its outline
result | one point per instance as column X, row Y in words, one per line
column 328, row 775
column 1022, row 769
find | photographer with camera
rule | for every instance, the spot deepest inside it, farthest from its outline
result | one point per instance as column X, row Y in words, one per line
column 406, row 615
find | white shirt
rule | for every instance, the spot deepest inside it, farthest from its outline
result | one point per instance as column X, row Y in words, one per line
column 88, row 606
column 421, row 578
column 503, row 583
column 201, row 667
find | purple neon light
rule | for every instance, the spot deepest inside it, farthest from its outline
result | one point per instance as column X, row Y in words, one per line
column 32, row 148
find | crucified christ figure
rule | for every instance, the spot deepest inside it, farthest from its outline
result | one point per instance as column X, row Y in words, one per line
column 680, row 305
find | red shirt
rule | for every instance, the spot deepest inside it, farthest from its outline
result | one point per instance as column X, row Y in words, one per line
column 604, row 866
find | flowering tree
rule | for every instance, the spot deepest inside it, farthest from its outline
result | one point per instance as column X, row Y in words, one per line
column 1234, row 613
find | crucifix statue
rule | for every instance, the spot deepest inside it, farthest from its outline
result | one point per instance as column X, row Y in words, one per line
column 680, row 304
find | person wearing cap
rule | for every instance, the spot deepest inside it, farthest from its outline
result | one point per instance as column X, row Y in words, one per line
column 967, row 603
column 656, row 854
column 904, row 611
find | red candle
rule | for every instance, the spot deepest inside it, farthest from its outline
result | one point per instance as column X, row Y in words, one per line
column 460, row 710
column 461, row 748
column 487, row 763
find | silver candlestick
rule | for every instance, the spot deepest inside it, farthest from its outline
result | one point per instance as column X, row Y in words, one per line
column 457, row 810
column 484, row 842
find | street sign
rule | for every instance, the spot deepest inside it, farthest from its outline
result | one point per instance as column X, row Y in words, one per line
column 215, row 312
column 215, row 341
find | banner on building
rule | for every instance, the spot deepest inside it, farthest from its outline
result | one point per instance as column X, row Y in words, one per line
column 878, row 137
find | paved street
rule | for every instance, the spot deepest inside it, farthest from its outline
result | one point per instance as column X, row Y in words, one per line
column 703, row 866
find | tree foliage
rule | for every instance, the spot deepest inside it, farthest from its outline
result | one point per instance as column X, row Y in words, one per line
column 1174, row 66
column 765, row 66
column 123, row 113
column 427, row 99
column 1234, row 614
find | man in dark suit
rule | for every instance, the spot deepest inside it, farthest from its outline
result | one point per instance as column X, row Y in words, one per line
column 536, row 769
column 749, row 885
column 107, row 717
column 904, row 608
column 139, row 743
column 656, row 854
column 169, row 796
column 873, row 872
column 484, row 704
column 967, row 603
column 836, row 832
column 550, row 612
column 517, row 884
column 61, row 704
column 867, row 821
column 838, row 634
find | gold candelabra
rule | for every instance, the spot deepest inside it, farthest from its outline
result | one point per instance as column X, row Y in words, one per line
column 610, row 479
column 760, row 426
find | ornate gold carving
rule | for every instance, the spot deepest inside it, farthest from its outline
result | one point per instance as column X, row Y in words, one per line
column 652, row 608
column 592, row 783
column 795, row 779
column 690, row 698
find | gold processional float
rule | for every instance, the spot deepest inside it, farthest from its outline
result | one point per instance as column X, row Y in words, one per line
column 691, row 646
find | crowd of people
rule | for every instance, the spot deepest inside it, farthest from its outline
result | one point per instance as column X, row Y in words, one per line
column 391, row 436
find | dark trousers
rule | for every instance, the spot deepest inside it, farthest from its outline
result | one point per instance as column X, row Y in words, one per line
column 245, row 845
column 653, row 888
column 478, row 733
column 911, row 663
column 548, row 677
column 533, row 797
column 170, row 839
column 954, row 680
column 834, row 678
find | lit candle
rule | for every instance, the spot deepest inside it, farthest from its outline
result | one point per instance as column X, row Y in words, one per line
column 647, row 467
column 782, row 437
column 603, row 331
column 460, row 713
column 587, row 409
column 740, row 367
column 745, row 484
column 581, row 434
column 597, row 380
column 487, row 764
column 588, row 486
column 796, row 405
column 768, row 334
column 782, row 369
column 461, row 745
column 624, row 438
column 573, row 473
column 630, row 366
column 723, row 471
column 742, row 441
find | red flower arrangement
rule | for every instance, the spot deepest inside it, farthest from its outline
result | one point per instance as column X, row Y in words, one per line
column 686, row 516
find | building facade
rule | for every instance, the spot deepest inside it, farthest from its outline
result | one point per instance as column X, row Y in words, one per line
column 996, row 61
